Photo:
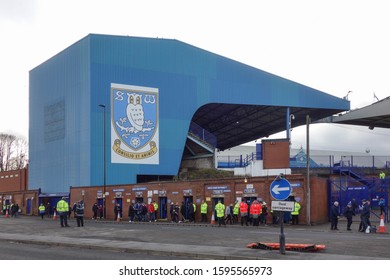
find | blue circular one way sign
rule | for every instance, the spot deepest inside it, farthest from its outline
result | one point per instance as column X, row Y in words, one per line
column 280, row 189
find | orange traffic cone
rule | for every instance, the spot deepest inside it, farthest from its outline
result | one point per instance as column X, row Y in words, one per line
column 212, row 219
column 55, row 215
column 6, row 213
column 118, row 219
column 382, row 228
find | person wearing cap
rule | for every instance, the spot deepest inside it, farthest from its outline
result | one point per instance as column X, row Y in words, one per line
column 334, row 215
column 79, row 212
column 348, row 213
column 63, row 209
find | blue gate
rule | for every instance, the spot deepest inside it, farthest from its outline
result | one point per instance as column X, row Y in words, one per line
column 347, row 188
column 29, row 206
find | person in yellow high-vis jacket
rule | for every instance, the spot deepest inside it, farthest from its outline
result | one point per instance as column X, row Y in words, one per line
column 203, row 211
column 236, row 210
column 63, row 209
column 295, row 213
column 220, row 209
column 42, row 210
column 155, row 210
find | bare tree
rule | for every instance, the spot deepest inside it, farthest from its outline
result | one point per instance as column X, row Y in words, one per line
column 13, row 152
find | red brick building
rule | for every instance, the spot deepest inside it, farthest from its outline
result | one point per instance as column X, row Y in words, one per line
column 13, row 190
column 228, row 190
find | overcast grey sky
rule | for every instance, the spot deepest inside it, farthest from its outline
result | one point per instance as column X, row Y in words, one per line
column 333, row 46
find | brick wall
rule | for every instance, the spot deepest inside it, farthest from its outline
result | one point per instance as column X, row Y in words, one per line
column 209, row 190
column 15, row 180
column 23, row 199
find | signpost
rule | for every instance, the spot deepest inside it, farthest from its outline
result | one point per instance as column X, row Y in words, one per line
column 280, row 189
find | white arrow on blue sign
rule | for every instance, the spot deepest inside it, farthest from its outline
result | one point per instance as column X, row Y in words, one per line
column 280, row 189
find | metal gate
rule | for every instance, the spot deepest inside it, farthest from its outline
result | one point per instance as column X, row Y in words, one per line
column 348, row 187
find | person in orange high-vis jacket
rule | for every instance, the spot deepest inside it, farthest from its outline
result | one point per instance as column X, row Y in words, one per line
column 255, row 211
column 244, row 212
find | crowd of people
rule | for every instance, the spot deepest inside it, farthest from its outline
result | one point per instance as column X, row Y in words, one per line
column 12, row 209
column 241, row 212
column 352, row 209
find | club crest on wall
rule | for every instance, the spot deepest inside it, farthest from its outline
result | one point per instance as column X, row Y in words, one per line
column 134, row 124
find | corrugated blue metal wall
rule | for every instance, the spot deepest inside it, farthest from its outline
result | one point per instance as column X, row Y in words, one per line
column 186, row 77
column 59, row 126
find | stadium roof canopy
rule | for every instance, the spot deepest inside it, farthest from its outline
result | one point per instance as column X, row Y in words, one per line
column 374, row 115
column 234, row 125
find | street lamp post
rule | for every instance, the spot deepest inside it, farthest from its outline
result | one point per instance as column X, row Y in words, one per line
column 104, row 159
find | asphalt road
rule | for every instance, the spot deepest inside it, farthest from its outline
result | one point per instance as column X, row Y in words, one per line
column 198, row 241
column 13, row 250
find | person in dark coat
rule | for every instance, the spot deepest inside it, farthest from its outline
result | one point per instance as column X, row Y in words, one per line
column 144, row 212
column 190, row 208
column 131, row 213
column 79, row 212
column 334, row 215
column 183, row 211
column 49, row 210
column 172, row 212
column 348, row 213
column 101, row 211
column 365, row 215
column 117, row 210
column 95, row 211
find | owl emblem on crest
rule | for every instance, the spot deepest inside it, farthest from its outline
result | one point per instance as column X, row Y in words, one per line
column 134, row 116
column 135, row 111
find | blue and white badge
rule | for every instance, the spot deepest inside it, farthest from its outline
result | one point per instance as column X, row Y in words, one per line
column 134, row 124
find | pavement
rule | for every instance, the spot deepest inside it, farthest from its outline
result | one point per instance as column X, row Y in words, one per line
column 196, row 240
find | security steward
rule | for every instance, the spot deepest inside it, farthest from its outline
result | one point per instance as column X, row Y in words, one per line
column 203, row 211
column 220, row 209
column 236, row 210
column 295, row 213
column 244, row 212
column 63, row 209
column 155, row 210
column 255, row 211
column 42, row 210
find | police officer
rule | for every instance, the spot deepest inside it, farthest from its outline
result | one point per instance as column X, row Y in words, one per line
column 80, row 213
column 63, row 209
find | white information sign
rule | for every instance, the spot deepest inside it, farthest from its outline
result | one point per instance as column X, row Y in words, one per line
column 286, row 206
